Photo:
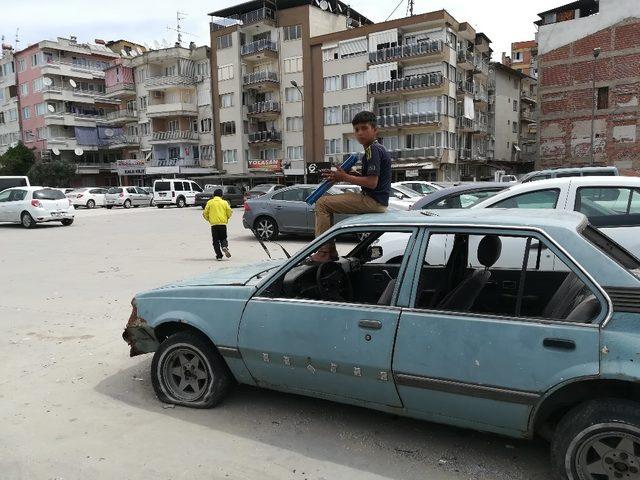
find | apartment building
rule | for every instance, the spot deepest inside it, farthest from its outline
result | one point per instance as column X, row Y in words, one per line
column 512, row 119
column 164, row 117
column 524, row 57
column 426, row 78
column 568, row 37
column 261, row 100
column 9, row 124
column 63, row 105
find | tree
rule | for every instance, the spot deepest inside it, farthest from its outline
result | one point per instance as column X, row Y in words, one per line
column 55, row 173
column 17, row 160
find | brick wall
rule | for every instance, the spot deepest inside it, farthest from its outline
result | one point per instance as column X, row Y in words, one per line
column 566, row 95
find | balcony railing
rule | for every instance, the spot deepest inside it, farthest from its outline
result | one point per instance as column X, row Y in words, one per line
column 526, row 115
column 480, row 126
column 264, row 107
column 480, row 96
column 465, row 56
column 464, row 153
column 118, row 114
column 257, row 16
column 87, row 66
column 170, row 81
column 527, row 96
column 426, row 80
column 407, row 119
column 465, row 123
column 481, row 65
column 416, row 153
column 121, row 140
column 67, row 88
column 465, row 86
column 404, row 51
column 258, row 77
column 175, row 135
column 265, row 136
column 121, row 87
column 258, row 46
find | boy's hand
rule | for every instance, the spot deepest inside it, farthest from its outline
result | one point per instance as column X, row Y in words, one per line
column 337, row 175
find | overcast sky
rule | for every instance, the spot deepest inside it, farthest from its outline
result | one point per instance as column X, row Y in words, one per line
column 146, row 21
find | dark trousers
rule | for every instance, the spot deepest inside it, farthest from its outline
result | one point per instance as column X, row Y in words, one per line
column 219, row 238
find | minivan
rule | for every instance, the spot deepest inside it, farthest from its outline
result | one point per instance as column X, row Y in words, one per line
column 175, row 191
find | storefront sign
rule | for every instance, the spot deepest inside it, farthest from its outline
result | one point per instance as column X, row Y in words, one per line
column 133, row 166
column 317, row 167
column 266, row 165
column 412, row 173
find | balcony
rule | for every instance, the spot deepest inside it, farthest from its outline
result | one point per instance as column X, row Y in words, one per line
column 169, row 81
column 465, row 59
column 122, row 116
column 528, row 97
column 526, row 116
column 265, row 137
column 480, row 126
column 464, row 124
column 172, row 110
column 121, row 90
column 480, row 96
column 409, row 120
column 258, row 51
column 177, row 136
column 122, row 141
column 75, row 69
column 422, row 153
column 464, row 153
column 69, row 94
column 479, row 154
column 261, row 81
column 401, row 52
column 426, row 81
column 465, row 87
column 262, row 15
column 266, row 109
column 480, row 66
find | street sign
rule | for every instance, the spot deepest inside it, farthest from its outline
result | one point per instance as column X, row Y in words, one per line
column 133, row 166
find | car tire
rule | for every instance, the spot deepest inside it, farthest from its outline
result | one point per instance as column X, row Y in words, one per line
column 108, row 207
column 136, row 206
column 27, row 220
column 265, row 228
column 91, row 204
column 585, row 440
column 127, row 203
column 160, row 206
column 67, row 221
column 173, row 363
column 180, row 202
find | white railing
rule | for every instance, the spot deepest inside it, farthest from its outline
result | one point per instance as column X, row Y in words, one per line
column 416, row 153
column 258, row 77
column 258, row 46
column 426, row 80
column 264, row 107
column 403, row 51
column 406, row 119
column 265, row 136
column 170, row 80
column 174, row 135
column 118, row 114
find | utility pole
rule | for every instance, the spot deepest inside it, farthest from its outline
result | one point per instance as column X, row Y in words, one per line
column 410, row 7
column 596, row 54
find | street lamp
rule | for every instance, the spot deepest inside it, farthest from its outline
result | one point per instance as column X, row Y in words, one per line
column 596, row 54
column 304, row 162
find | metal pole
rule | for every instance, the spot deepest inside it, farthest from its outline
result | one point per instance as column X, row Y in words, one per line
column 304, row 161
column 596, row 54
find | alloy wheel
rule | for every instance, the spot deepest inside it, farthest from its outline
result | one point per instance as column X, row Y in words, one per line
column 608, row 456
column 185, row 375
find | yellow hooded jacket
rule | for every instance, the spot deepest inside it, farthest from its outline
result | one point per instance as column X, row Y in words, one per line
column 217, row 211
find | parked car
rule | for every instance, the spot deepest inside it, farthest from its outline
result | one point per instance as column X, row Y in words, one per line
column 262, row 189
column 230, row 193
column 89, row 197
column 461, row 196
column 570, row 172
column 127, row 197
column 516, row 351
column 174, row 191
column 398, row 200
column 32, row 205
column 13, row 181
column 420, row 186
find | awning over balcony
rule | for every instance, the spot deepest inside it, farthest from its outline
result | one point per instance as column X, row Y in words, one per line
column 388, row 36
column 381, row 73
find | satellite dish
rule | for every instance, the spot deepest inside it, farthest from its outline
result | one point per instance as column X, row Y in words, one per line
column 108, row 132
column 73, row 83
column 324, row 5
column 78, row 151
column 123, row 52
column 55, row 151
column 139, row 50
column 47, row 81
column 51, row 108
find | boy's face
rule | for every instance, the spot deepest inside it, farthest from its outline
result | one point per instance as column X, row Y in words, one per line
column 365, row 133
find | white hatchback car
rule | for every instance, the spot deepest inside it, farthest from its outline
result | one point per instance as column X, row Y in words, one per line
column 127, row 197
column 32, row 205
column 90, row 197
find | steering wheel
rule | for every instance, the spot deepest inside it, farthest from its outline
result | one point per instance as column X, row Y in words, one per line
column 333, row 282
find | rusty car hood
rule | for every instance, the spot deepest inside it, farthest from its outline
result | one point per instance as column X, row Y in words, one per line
column 235, row 275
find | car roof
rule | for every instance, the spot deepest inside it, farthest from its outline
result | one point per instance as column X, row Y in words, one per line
column 448, row 191
column 494, row 217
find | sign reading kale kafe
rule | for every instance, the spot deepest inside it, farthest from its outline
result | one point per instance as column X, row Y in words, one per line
column 132, row 166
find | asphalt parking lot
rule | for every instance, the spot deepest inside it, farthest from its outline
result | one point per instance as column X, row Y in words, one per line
column 73, row 405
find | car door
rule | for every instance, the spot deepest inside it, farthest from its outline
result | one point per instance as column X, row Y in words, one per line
column 487, row 365
column 132, row 195
column 98, row 195
column 143, row 196
column 189, row 193
column 5, row 206
column 339, row 349
column 290, row 209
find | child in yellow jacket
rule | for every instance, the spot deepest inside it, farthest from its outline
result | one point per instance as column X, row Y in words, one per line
column 218, row 212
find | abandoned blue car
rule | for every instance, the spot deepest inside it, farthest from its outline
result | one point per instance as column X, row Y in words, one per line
column 521, row 323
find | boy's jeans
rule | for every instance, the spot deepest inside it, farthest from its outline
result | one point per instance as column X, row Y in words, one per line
column 350, row 202
column 219, row 238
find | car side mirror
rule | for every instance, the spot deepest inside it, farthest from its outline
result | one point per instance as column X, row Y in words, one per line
column 375, row 252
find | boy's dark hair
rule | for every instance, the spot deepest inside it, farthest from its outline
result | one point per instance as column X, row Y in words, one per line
column 217, row 192
column 365, row 117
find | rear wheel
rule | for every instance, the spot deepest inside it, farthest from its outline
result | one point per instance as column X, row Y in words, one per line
column 109, row 207
column 27, row 220
column 265, row 228
column 91, row 204
column 598, row 440
column 127, row 203
column 180, row 202
column 187, row 370
column 67, row 221
column 160, row 206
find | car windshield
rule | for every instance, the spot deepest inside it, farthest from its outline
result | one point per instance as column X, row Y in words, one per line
column 406, row 191
column 211, row 188
column 114, row 190
column 48, row 194
column 162, row 186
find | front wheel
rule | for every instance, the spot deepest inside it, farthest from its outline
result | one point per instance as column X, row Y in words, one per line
column 67, row 221
column 127, row 203
column 187, row 370
column 91, row 204
column 598, row 440
column 160, row 206
column 180, row 202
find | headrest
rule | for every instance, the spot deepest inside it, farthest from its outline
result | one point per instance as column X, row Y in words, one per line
column 489, row 250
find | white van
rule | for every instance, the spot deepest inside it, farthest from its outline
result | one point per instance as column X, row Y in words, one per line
column 9, row 182
column 175, row 191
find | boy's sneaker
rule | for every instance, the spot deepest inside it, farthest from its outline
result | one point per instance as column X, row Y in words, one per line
column 219, row 259
column 226, row 251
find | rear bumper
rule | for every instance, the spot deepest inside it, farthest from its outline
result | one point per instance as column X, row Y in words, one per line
column 163, row 201
column 47, row 217
column 245, row 223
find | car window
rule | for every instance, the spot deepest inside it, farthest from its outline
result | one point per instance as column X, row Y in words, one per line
column 4, row 196
column 196, row 187
column 538, row 199
column 131, row 190
column 609, row 206
column 502, row 275
column 177, row 186
column 292, row 195
column 17, row 195
column 113, row 190
column 600, row 173
column 141, row 191
column 162, row 186
column 48, row 194
column 94, row 191
column 379, row 256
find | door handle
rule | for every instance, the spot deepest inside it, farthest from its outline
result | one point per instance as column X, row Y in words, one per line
column 370, row 324
column 559, row 344
column 278, row 207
